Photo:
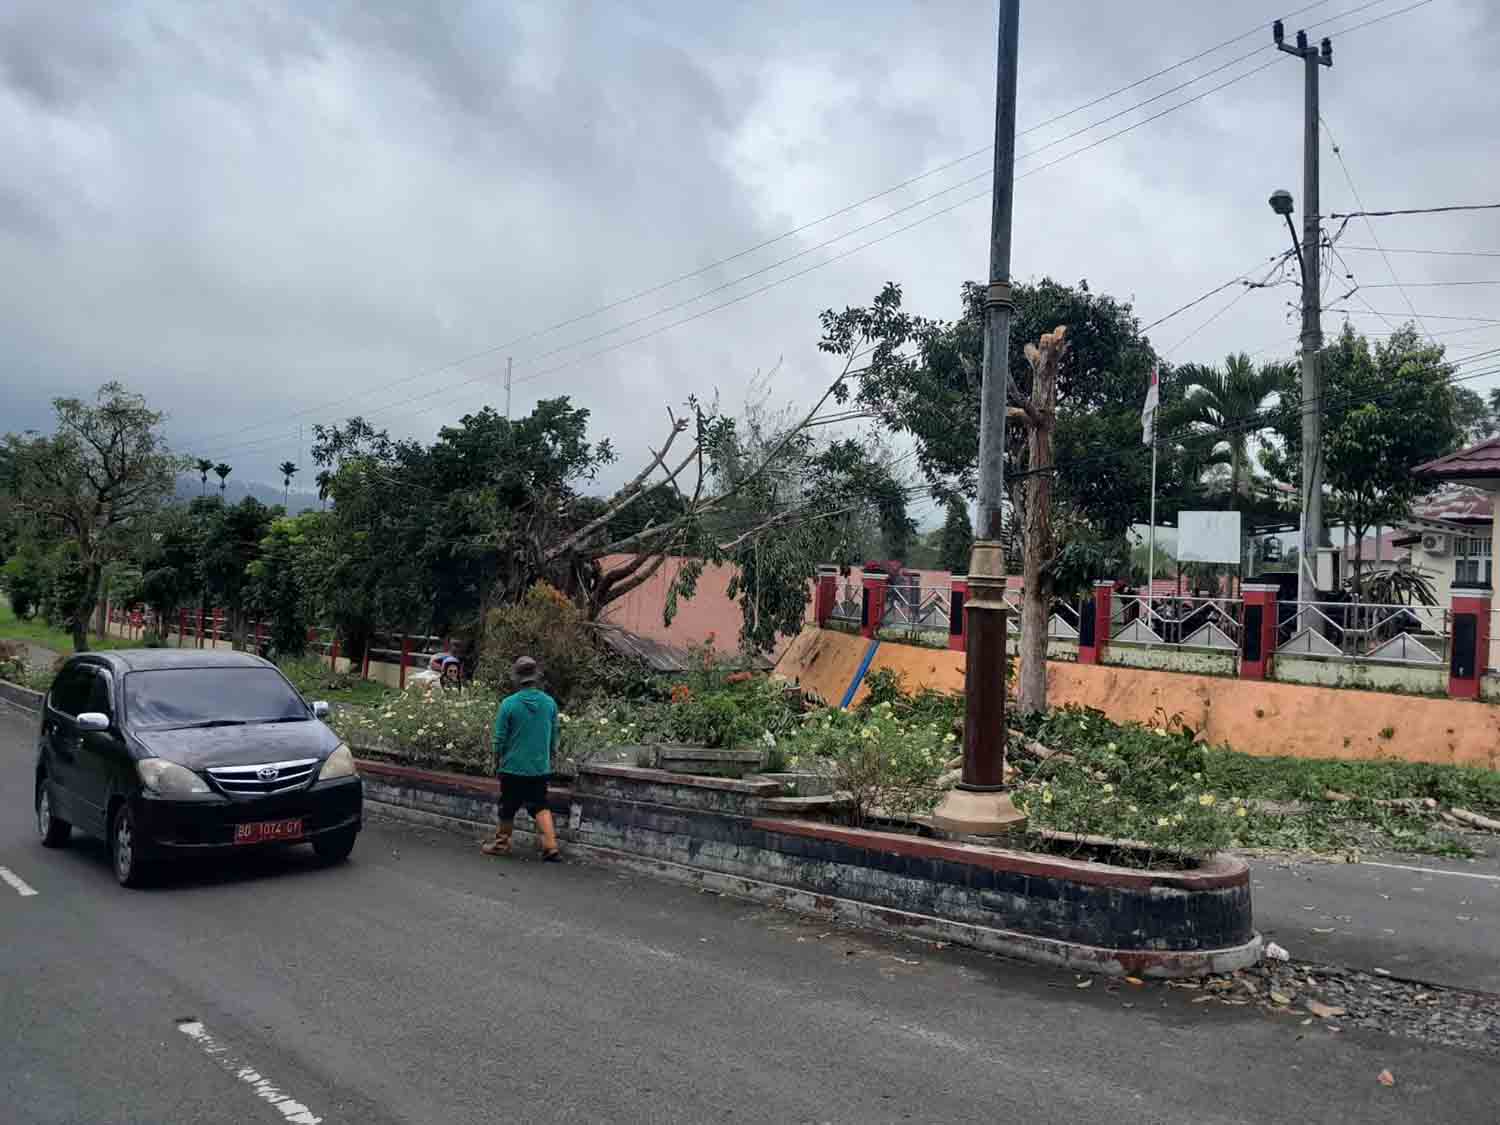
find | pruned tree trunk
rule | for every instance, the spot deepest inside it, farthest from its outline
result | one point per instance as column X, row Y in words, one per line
column 1038, row 547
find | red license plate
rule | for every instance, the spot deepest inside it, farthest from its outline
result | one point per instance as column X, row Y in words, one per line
column 265, row 831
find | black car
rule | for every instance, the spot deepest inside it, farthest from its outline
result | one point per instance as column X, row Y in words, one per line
column 165, row 752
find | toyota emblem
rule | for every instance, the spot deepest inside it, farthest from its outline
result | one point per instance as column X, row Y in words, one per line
column 268, row 773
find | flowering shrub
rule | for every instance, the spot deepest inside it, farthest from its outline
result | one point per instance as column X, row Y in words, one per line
column 445, row 730
column 545, row 625
column 1128, row 781
column 884, row 761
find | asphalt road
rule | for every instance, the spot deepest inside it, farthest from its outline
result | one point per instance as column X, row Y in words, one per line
column 1427, row 919
column 424, row 983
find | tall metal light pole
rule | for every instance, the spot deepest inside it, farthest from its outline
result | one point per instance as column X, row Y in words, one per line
column 978, row 805
column 1312, row 319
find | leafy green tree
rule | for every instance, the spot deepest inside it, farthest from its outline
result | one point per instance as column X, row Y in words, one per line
column 922, row 378
column 957, row 541
column 229, row 541
column 106, row 466
column 1385, row 410
column 282, row 580
column 1472, row 414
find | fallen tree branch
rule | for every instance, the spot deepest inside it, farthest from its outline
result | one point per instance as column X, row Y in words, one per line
column 1474, row 820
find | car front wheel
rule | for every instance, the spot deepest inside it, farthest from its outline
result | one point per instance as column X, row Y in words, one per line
column 125, row 850
column 334, row 847
column 53, row 830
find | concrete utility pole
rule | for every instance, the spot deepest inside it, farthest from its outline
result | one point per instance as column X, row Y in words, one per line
column 1312, row 312
column 978, row 805
column 507, row 388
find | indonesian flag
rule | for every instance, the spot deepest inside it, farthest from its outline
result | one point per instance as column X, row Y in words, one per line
column 1148, row 412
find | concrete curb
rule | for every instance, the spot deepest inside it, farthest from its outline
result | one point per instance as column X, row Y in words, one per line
column 1007, row 943
column 23, row 697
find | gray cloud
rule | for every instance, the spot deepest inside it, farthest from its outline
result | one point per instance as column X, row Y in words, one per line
column 252, row 210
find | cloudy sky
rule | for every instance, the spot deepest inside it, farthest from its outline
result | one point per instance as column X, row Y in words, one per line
column 273, row 213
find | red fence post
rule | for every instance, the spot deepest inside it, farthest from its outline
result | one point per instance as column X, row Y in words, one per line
column 1258, row 630
column 825, row 594
column 958, row 593
column 873, row 610
column 1468, row 641
column 1094, row 623
column 405, row 659
column 214, row 616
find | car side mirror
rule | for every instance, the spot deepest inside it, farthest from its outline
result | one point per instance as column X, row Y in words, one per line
column 93, row 721
column 320, row 709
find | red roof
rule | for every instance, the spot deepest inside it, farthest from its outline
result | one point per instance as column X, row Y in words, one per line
column 1463, row 502
column 1477, row 461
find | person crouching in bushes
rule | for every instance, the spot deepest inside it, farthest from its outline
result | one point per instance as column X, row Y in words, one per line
column 526, row 735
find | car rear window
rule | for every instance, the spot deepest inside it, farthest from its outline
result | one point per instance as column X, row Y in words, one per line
column 181, row 697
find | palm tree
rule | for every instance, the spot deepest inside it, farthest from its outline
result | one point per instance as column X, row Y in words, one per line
column 288, row 470
column 325, row 485
column 1227, row 406
column 222, row 471
column 204, row 467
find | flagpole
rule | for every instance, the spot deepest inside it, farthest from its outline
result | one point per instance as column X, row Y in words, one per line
column 1151, row 534
column 1148, row 434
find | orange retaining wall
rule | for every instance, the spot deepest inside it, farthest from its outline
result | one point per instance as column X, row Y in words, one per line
column 1256, row 717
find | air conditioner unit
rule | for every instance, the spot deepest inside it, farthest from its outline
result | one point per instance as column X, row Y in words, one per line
column 1435, row 544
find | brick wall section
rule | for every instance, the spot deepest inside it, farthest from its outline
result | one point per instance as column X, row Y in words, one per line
column 1038, row 896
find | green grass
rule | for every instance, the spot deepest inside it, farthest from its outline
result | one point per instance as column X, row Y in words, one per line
column 312, row 677
column 38, row 632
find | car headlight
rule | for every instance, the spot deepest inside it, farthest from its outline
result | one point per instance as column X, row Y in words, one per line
column 168, row 779
column 338, row 764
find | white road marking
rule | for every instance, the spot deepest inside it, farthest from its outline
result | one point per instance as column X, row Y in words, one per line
column 1433, row 871
column 292, row 1112
column 20, row 884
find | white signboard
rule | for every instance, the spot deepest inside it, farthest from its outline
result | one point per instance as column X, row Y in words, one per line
column 1208, row 537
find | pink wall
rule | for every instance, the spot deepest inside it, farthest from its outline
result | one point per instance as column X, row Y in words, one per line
column 710, row 611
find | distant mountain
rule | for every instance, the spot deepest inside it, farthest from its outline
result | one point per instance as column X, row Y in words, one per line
column 190, row 486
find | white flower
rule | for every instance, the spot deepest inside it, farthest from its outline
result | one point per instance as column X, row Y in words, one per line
column 950, row 737
column 1046, row 796
column 1109, row 788
column 421, row 731
column 448, row 747
column 1110, row 746
column 1197, row 777
column 1163, row 822
column 768, row 738
column 1207, row 800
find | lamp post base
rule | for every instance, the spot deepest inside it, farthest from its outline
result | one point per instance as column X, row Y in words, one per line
column 970, row 812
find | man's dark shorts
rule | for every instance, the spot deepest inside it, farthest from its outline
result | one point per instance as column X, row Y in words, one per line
column 518, row 791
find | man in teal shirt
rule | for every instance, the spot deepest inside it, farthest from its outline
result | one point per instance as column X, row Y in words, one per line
column 526, row 734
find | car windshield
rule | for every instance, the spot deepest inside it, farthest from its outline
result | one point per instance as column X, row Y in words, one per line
column 189, row 697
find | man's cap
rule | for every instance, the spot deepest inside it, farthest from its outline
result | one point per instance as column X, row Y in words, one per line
column 524, row 671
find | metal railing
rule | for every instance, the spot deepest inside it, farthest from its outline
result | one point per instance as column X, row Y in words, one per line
column 923, row 614
column 1182, row 622
column 848, row 603
column 1365, row 631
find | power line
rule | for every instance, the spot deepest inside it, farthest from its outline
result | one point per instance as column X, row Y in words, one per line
column 836, row 213
column 1417, row 210
column 985, row 194
column 1449, row 253
column 1430, row 285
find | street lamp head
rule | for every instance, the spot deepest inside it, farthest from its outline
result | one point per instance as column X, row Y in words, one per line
column 1327, row 52
column 1278, row 32
column 1281, row 202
